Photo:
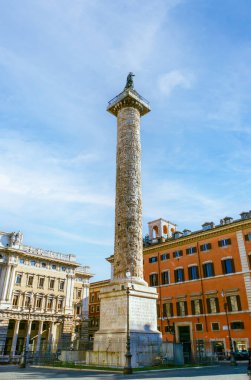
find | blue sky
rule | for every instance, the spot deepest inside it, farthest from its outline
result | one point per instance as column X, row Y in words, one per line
column 62, row 61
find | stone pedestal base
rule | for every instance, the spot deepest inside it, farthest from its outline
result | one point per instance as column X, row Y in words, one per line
column 110, row 341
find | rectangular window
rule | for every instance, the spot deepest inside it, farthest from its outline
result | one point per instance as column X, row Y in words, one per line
column 78, row 310
column 178, row 253
column 60, row 304
column 168, row 309
column 27, row 301
column 41, row 282
column 205, row 247
column 51, row 283
column 63, row 269
column 233, row 303
column 164, row 256
column 238, row 325
column 153, row 279
column 97, row 308
column 165, row 277
column 92, row 297
column 197, row 306
column 199, row 327
column 54, row 267
column 193, row 272
column 248, row 237
column 33, row 263
column 30, row 280
column 49, row 304
column 18, row 279
column 21, row 261
column 61, row 285
column 43, row 265
column 224, row 242
column 208, row 270
column 179, row 275
column 227, row 266
column 15, row 300
column 39, row 303
column 170, row 329
column 215, row 326
column 153, row 259
column 191, row 250
column 213, row 305
column 181, row 308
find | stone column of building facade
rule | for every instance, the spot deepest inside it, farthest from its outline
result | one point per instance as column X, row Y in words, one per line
column 123, row 292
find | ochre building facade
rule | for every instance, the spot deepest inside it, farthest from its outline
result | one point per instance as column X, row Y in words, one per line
column 204, row 283
column 44, row 298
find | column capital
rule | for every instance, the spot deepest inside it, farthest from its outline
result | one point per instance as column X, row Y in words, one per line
column 128, row 98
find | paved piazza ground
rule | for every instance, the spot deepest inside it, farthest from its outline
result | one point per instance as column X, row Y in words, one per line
column 222, row 372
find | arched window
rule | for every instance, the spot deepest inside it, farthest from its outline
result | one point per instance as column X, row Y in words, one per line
column 155, row 232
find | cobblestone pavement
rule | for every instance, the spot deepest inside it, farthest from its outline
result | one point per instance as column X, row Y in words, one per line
column 222, row 372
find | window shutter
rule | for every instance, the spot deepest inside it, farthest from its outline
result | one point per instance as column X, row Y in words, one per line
column 229, row 305
column 197, row 272
column 223, row 265
column 190, row 273
column 193, row 307
column 185, row 307
column 212, row 269
column 171, row 309
column 178, row 308
column 246, row 237
column 209, row 245
column 220, row 243
column 201, row 306
column 181, row 253
column 183, row 274
column 233, row 267
column 208, row 306
column 187, row 251
column 229, row 241
column 238, row 302
column 164, row 310
column 175, row 275
column 217, row 305
column 204, row 270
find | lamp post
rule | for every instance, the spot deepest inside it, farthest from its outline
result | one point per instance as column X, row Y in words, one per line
column 232, row 358
column 23, row 362
column 128, row 364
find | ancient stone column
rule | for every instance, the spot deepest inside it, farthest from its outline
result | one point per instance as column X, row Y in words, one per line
column 127, row 304
column 128, row 107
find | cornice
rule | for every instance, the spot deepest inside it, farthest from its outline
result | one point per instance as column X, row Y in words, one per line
column 198, row 236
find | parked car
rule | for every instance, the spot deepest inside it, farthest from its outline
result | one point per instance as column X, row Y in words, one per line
column 241, row 355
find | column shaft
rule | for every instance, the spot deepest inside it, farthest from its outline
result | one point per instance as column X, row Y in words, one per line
column 39, row 336
column 15, row 336
column 128, row 254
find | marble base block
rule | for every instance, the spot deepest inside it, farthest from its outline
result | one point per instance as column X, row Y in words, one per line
column 110, row 341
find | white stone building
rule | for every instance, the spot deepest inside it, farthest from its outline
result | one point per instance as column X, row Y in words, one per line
column 43, row 299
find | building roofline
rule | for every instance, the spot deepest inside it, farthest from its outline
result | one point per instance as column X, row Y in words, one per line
column 202, row 234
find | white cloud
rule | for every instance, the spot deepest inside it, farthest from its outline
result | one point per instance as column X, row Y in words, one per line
column 175, row 78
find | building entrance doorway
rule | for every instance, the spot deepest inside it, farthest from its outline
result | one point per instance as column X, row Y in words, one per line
column 185, row 339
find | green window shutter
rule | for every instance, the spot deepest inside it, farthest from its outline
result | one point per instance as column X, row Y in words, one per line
column 238, row 302
column 193, row 307
column 217, row 305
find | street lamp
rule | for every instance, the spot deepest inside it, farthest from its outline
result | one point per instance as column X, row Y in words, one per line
column 232, row 358
column 23, row 362
column 128, row 364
